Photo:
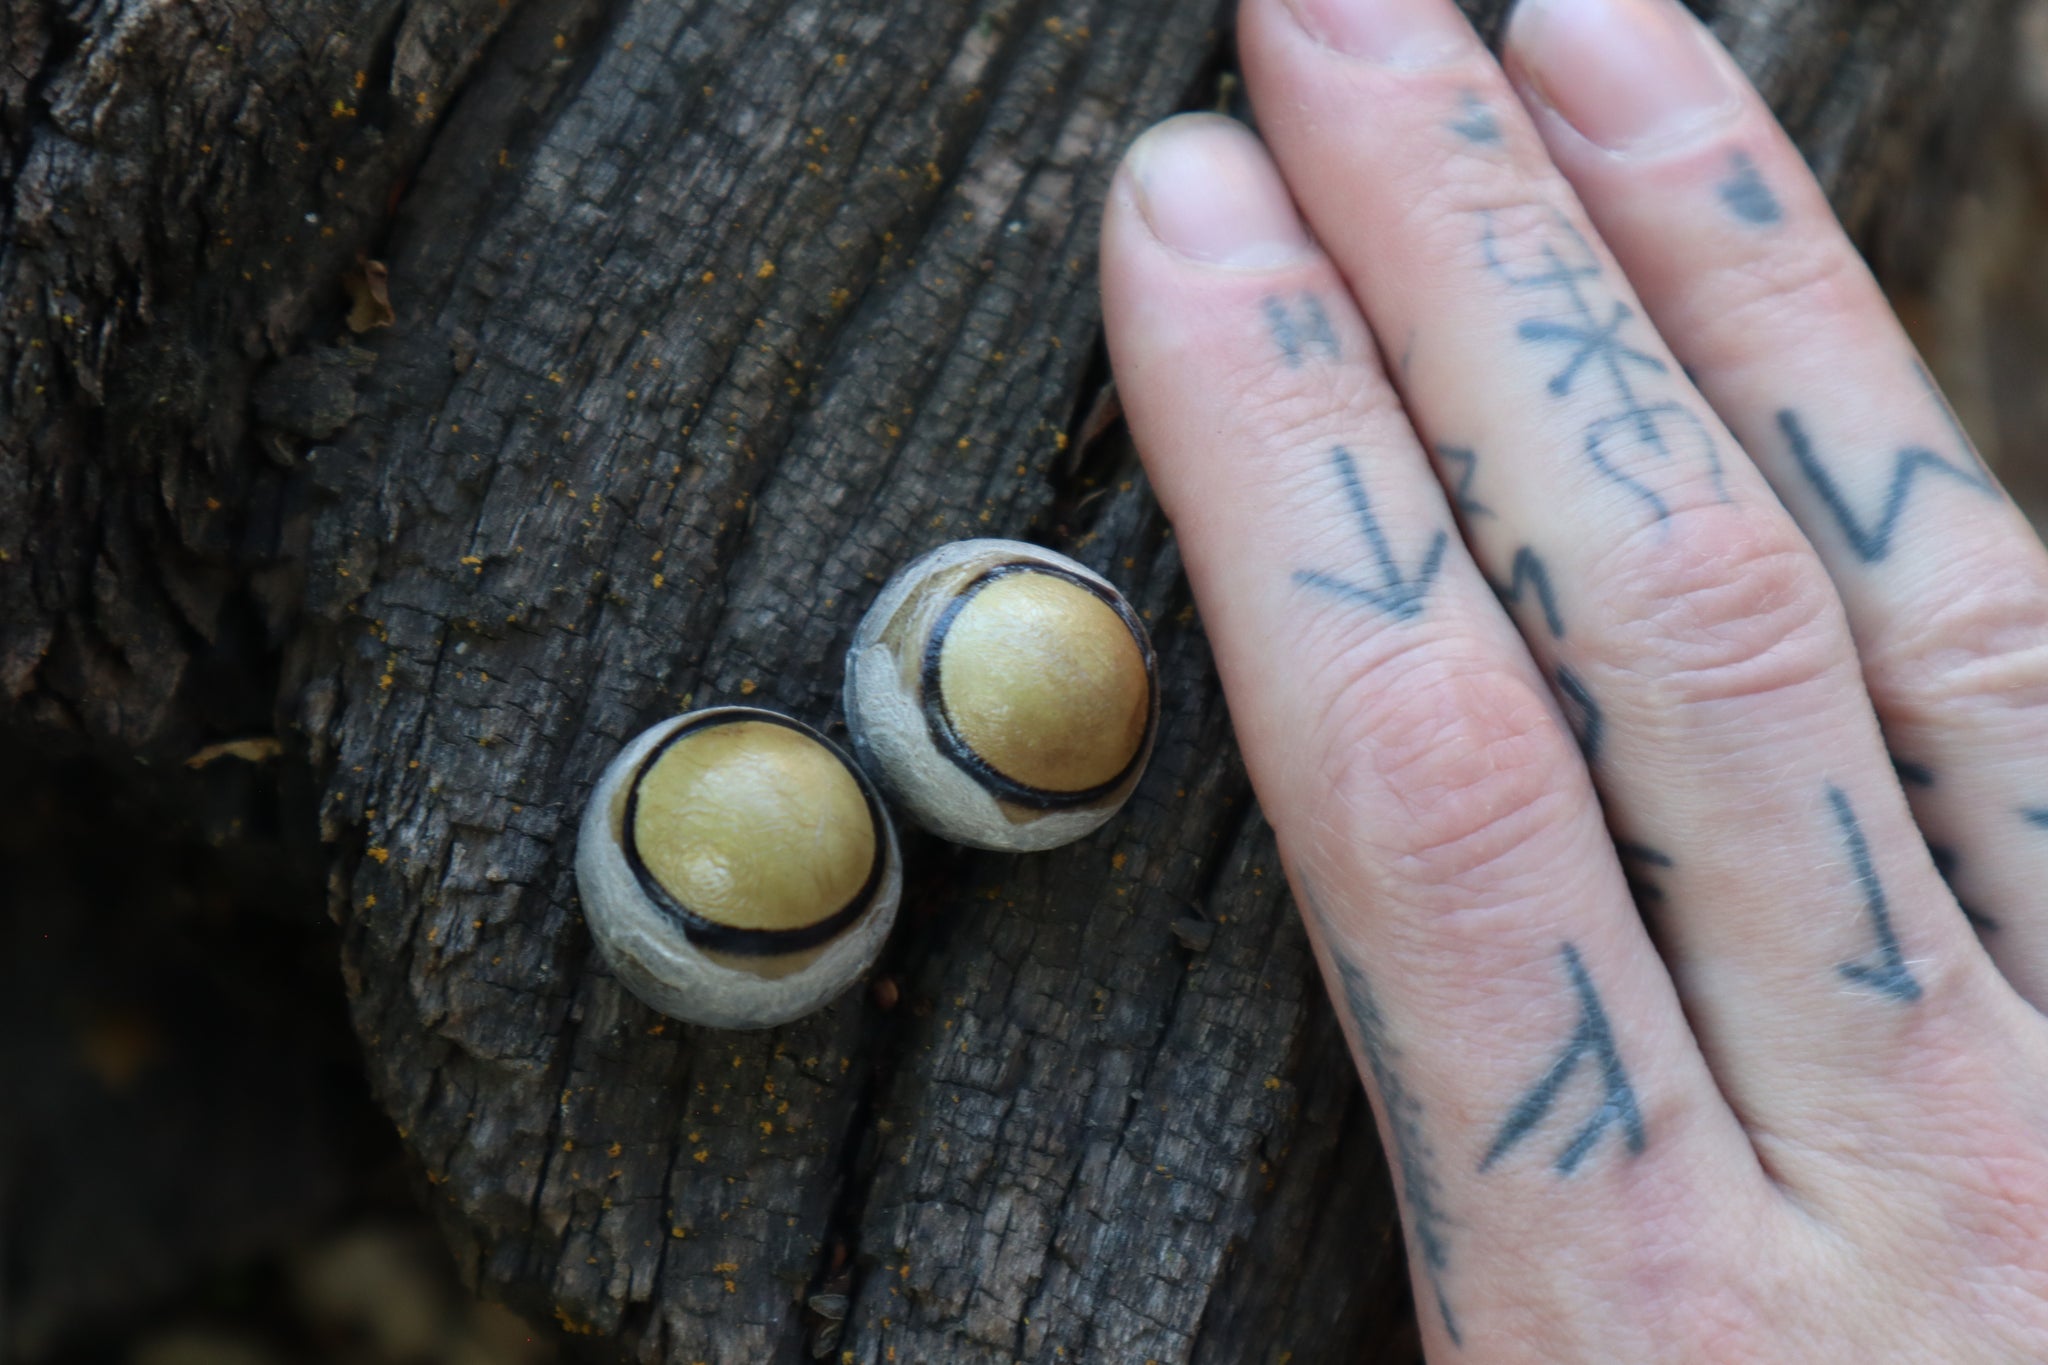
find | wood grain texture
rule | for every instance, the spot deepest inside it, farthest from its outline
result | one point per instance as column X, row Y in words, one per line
column 709, row 315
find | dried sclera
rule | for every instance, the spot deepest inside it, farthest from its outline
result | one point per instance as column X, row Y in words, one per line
column 1006, row 696
column 737, row 868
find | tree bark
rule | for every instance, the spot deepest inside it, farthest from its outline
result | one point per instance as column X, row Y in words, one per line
column 705, row 317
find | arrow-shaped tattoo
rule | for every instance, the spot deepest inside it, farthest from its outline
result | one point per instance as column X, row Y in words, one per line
column 1592, row 1041
column 1889, row 974
column 1397, row 593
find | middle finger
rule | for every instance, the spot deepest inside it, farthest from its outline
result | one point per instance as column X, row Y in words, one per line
column 1690, row 630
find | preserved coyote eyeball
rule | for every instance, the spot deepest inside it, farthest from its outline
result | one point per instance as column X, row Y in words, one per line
column 737, row 868
column 1005, row 696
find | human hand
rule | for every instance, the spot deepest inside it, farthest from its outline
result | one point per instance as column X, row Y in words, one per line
column 1792, row 1111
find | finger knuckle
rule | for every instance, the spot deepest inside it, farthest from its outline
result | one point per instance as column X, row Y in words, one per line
column 1452, row 202
column 1447, row 766
column 1984, row 648
column 1352, row 402
column 1717, row 605
column 2002, row 1206
column 1808, row 281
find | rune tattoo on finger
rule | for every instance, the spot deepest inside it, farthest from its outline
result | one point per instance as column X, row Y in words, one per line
column 1636, row 437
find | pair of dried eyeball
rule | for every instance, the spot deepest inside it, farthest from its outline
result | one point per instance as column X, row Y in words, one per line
column 739, row 869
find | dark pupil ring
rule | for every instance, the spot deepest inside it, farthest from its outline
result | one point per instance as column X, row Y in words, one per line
column 716, row 935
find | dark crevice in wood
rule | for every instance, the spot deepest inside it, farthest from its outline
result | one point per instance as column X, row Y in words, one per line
column 61, row 36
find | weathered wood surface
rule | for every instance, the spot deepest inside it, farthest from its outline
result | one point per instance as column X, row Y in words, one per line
column 708, row 315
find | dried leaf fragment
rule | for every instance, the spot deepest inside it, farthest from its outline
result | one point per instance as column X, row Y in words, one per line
column 248, row 750
column 369, row 291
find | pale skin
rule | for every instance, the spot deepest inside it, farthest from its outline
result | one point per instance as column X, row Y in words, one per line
column 1648, row 685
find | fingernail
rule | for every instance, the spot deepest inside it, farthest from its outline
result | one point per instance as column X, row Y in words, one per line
column 1210, row 192
column 1630, row 75
column 1409, row 33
